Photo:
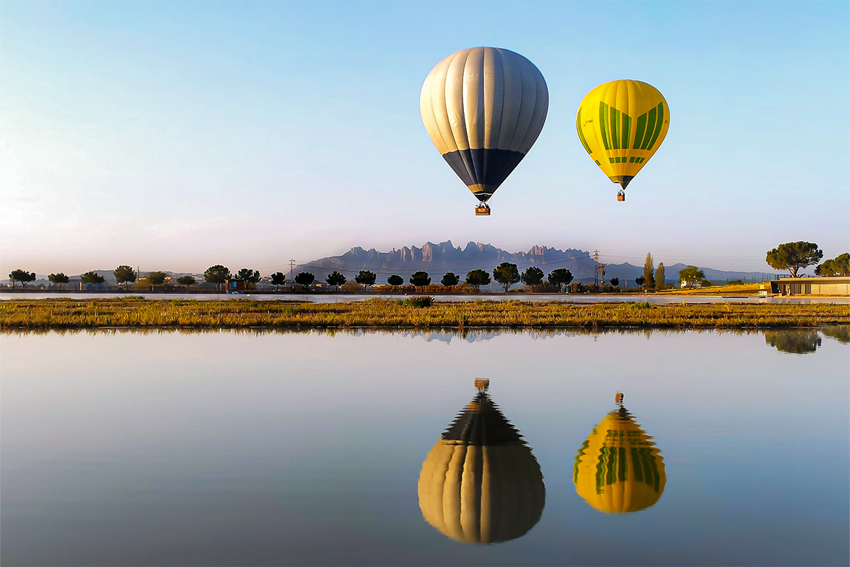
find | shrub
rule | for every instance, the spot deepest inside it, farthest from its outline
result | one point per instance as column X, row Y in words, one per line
column 421, row 301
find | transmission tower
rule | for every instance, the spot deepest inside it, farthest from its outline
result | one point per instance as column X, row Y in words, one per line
column 291, row 266
column 598, row 268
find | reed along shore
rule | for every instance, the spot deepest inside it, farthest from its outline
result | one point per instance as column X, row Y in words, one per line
column 411, row 313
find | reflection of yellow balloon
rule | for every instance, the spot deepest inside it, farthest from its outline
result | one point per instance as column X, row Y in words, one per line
column 484, row 108
column 480, row 483
column 619, row 469
column 621, row 124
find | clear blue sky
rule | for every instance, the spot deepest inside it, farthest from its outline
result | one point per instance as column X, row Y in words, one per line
column 175, row 135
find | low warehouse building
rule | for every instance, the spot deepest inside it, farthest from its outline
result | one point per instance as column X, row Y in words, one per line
column 811, row 286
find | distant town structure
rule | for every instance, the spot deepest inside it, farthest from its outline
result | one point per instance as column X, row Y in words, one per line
column 232, row 285
column 811, row 286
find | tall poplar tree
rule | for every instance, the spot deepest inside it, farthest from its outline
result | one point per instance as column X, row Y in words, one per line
column 648, row 267
column 659, row 277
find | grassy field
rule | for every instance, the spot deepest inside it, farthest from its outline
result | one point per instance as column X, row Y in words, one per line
column 381, row 313
column 743, row 289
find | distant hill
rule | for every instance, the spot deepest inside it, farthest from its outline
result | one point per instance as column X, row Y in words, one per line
column 437, row 259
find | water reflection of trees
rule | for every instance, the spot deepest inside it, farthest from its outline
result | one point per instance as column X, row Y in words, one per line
column 795, row 342
column 840, row 333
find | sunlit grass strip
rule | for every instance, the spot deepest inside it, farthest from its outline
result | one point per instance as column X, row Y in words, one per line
column 742, row 289
column 63, row 313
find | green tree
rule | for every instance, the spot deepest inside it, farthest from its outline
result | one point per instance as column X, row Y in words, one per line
column 304, row 279
column 659, row 277
column 450, row 279
column 838, row 266
column 420, row 279
column 395, row 280
column 615, row 282
column 216, row 275
column 278, row 278
column 91, row 278
column 560, row 277
column 59, row 278
column 792, row 256
column 157, row 278
column 248, row 275
column 365, row 277
column 335, row 279
column 477, row 278
column 648, row 267
column 21, row 276
column 506, row 274
column 186, row 280
column 691, row 275
column 639, row 280
column 532, row 276
column 124, row 274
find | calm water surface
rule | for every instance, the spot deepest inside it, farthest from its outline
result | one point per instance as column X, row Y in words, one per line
column 246, row 448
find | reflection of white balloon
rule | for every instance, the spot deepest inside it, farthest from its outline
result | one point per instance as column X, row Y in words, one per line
column 480, row 483
column 484, row 108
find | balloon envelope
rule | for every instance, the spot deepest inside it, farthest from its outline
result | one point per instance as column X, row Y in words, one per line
column 480, row 482
column 483, row 108
column 621, row 124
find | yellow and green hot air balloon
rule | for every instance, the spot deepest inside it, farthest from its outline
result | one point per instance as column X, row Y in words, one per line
column 619, row 469
column 483, row 108
column 480, row 483
column 621, row 124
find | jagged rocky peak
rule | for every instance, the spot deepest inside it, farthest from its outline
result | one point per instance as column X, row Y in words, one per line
column 428, row 252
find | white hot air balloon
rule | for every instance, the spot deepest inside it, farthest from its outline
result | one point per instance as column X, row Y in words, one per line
column 484, row 108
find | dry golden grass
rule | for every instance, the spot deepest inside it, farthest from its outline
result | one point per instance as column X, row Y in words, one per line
column 141, row 313
column 743, row 289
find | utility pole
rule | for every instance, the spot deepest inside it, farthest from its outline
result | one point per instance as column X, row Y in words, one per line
column 291, row 266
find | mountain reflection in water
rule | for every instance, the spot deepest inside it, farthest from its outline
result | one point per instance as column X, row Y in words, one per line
column 618, row 469
column 480, row 483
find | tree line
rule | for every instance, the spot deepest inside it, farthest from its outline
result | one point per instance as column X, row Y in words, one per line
column 506, row 274
column 794, row 256
column 790, row 256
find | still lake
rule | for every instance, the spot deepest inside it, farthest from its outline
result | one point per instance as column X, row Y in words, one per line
column 284, row 448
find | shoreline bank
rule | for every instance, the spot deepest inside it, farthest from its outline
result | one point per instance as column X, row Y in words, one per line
column 389, row 314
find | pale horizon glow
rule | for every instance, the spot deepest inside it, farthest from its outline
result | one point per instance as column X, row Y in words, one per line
column 177, row 135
